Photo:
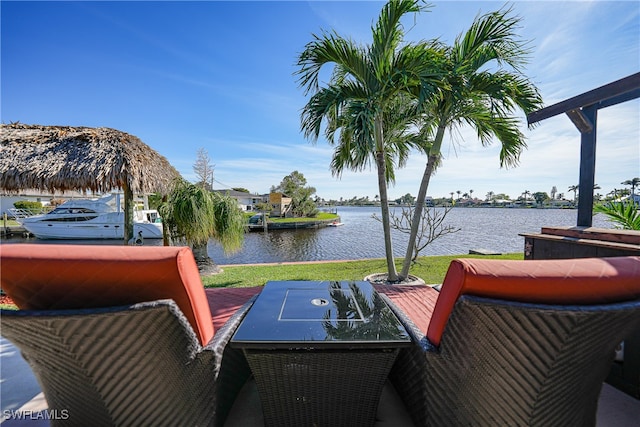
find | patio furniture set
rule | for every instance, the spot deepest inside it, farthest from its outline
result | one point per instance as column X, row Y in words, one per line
column 123, row 336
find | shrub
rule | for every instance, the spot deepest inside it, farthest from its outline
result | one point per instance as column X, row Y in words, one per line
column 33, row 207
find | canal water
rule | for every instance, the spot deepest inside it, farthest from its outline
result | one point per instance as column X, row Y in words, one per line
column 361, row 236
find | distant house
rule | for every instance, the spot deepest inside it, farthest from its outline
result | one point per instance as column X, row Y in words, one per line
column 280, row 205
column 246, row 201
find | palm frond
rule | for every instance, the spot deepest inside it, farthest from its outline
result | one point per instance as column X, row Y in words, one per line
column 331, row 48
column 492, row 36
column 388, row 32
column 626, row 215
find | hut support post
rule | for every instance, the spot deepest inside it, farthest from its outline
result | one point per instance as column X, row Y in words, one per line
column 128, row 214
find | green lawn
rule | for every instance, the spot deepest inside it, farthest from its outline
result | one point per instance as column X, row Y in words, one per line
column 322, row 216
column 431, row 269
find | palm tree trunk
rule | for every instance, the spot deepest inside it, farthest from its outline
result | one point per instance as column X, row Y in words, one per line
column 386, row 226
column 166, row 236
column 204, row 262
column 384, row 203
column 432, row 160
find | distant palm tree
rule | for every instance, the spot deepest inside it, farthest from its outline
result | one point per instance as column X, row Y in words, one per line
column 633, row 183
column 459, row 192
column 525, row 194
column 483, row 88
column 490, row 195
column 471, row 194
column 368, row 82
column 574, row 188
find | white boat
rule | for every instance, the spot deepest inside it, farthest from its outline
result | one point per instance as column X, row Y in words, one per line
column 91, row 219
column 335, row 224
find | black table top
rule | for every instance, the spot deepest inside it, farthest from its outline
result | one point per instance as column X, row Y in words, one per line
column 324, row 314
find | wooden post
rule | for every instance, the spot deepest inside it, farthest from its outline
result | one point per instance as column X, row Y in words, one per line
column 587, row 168
column 128, row 213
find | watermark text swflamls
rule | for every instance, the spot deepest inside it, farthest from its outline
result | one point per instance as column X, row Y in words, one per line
column 47, row 414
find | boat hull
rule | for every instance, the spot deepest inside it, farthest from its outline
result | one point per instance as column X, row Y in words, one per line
column 109, row 226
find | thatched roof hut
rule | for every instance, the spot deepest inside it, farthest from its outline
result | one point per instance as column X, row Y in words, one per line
column 80, row 158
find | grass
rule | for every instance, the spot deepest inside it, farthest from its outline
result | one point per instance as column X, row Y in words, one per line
column 322, row 216
column 431, row 269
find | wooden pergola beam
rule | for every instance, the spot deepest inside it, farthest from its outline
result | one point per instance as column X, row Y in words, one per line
column 582, row 110
column 614, row 91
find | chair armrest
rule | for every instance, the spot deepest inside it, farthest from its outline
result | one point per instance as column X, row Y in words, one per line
column 232, row 368
column 225, row 333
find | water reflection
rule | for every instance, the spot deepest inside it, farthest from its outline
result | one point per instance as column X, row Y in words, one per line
column 362, row 316
column 294, row 243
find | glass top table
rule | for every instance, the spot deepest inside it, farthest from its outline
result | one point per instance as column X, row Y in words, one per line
column 320, row 352
column 308, row 314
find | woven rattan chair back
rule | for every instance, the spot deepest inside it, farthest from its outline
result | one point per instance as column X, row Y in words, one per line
column 516, row 364
column 125, row 366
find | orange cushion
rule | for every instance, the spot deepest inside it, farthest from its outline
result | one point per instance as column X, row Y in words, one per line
column 579, row 281
column 50, row 277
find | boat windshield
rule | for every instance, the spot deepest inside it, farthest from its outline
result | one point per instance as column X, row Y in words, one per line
column 62, row 214
column 71, row 211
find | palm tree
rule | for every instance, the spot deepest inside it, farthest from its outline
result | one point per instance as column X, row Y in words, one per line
column 193, row 214
column 624, row 214
column 633, row 183
column 574, row 188
column 471, row 194
column 367, row 84
column 483, row 87
column 526, row 194
column 490, row 195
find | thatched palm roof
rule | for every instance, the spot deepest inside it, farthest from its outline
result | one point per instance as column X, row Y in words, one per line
column 79, row 158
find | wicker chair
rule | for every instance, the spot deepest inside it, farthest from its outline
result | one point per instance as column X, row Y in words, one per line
column 515, row 342
column 121, row 335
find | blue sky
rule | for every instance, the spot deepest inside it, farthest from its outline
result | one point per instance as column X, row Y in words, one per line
column 219, row 75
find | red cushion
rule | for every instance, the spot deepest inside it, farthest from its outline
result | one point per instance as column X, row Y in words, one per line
column 49, row 277
column 580, row 281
